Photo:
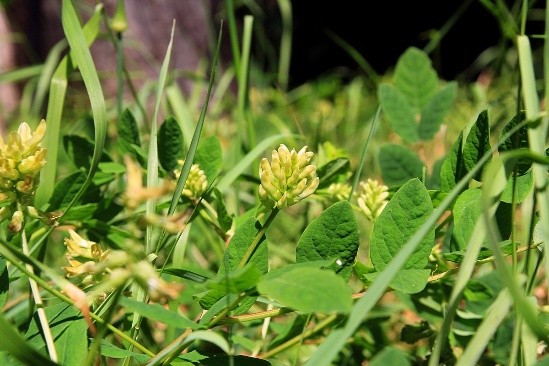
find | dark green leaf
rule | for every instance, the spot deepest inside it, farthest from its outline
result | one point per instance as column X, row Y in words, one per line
column 433, row 113
column 333, row 236
column 128, row 134
column 66, row 189
column 398, row 164
column 332, row 171
column 224, row 360
column 415, row 77
column 308, row 290
column 453, row 167
column 209, row 157
column 399, row 111
column 81, row 149
column 170, row 145
column 4, row 282
column 477, row 142
column 404, row 214
column 188, row 275
column 81, row 213
column 111, row 351
column 517, row 140
column 413, row 333
column 223, row 217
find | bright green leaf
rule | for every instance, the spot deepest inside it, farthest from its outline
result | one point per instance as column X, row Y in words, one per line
column 466, row 211
column 398, row 164
column 333, row 235
column 308, row 290
column 524, row 185
column 405, row 213
column 390, row 356
column 237, row 281
column 453, row 167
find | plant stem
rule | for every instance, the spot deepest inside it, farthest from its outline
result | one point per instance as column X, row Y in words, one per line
column 258, row 238
column 46, row 330
column 323, row 324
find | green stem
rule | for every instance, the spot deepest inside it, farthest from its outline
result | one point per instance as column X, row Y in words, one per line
column 233, row 33
column 258, row 238
column 285, row 54
column 289, row 343
column 46, row 330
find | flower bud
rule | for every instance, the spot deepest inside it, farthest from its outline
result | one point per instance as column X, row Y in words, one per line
column 196, row 183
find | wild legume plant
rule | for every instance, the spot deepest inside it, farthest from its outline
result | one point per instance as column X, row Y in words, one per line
column 186, row 242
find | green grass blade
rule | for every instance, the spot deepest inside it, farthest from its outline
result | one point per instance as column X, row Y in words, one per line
column 536, row 135
column 152, row 159
column 285, row 53
column 197, row 132
column 181, row 111
column 476, row 346
column 20, row 74
column 82, row 56
column 58, row 88
column 233, row 35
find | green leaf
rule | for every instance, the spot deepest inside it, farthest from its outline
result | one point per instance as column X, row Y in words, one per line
column 453, row 167
column 223, row 217
column 398, row 164
column 158, row 313
column 517, row 140
column 237, row 281
column 477, row 142
column 238, row 246
column 4, row 282
column 209, row 157
column 524, row 185
column 294, row 329
column 111, row 351
column 14, row 344
column 308, row 290
column 81, row 212
column 399, row 111
column 415, row 77
column 81, row 150
column 413, row 333
column 67, row 188
column 390, row 356
column 68, row 329
column 466, row 211
column 128, row 134
column 437, row 107
column 170, row 142
column 332, row 171
column 333, row 235
column 405, row 213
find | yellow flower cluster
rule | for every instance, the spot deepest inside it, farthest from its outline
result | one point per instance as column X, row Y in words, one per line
column 288, row 178
column 196, row 183
column 21, row 158
column 373, row 198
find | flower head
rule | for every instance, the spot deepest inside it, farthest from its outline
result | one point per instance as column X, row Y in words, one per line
column 288, row 178
column 135, row 192
column 373, row 198
column 339, row 191
column 196, row 183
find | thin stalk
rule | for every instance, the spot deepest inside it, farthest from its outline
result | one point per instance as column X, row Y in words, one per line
column 46, row 330
column 446, row 27
column 289, row 343
column 233, row 34
column 243, row 80
column 285, row 53
column 258, row 238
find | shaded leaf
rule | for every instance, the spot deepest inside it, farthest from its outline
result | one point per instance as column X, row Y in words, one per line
column 224, row 360
column 517, row 140
column 128, row 135
column 399, row 111
column 415, row 77
column 434, row 111
column 453, row 167
column 81, row 150
column 477, row 142
column 332, row 171
column 398, row 164
column 170, row 145
column 4, row 282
